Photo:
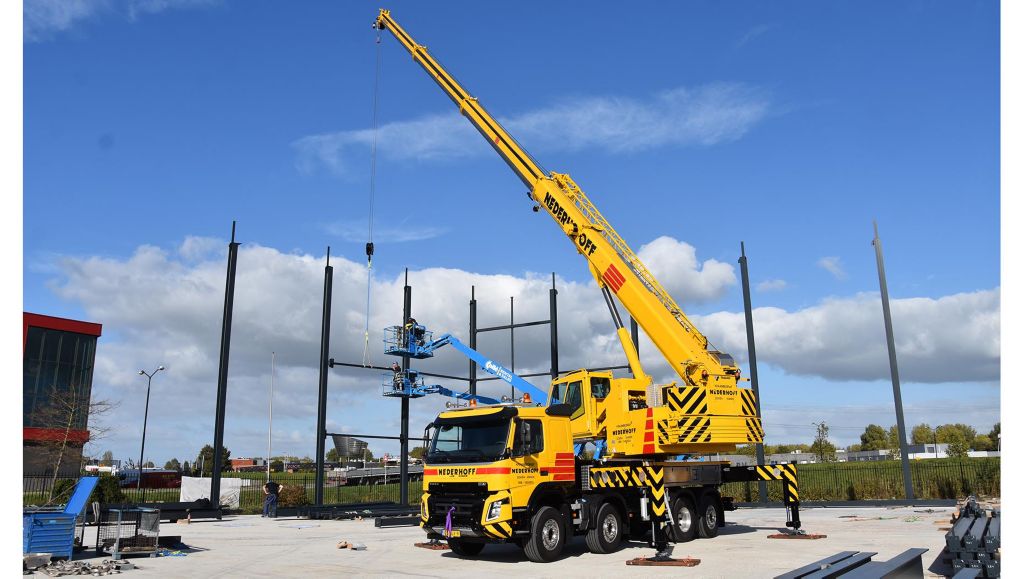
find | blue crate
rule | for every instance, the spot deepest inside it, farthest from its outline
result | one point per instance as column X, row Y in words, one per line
column 54, row 532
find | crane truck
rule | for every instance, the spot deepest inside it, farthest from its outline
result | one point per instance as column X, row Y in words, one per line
column 518, row 473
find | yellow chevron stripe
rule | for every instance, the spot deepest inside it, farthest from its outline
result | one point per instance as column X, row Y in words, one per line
column 507, row 528
column 657, row 493
column 655, row 473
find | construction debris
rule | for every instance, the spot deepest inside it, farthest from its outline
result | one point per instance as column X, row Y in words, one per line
column 69, row 568
column 352, row 546
column 433, row 545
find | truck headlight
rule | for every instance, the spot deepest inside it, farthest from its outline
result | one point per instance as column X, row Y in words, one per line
column 495, row 511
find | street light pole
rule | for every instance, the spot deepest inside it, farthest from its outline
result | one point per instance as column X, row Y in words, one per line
column 145, row 419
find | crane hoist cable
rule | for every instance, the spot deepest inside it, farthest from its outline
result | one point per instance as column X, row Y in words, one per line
column 373, row 191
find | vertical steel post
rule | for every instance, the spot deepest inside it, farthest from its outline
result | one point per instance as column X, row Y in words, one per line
column 321, row 407
column 222, row 373
column 512, row 337
column 762, row 487
column 472, row 338
column 553, row 325
column 404, row 436
column 908, row 483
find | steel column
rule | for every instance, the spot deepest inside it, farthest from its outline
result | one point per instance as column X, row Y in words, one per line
column 472, row 338
column 222, row 373
column 403, row 472
column 553, row 319
column 321, row 414
column 762, row 486
column 908, row 483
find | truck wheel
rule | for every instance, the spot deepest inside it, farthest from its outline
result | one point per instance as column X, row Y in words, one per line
column 685, row 516
column 464, row 549
column 707, row 522
column 607, row 536
column 547, row 536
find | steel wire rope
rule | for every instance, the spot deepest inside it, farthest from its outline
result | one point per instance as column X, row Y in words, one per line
column 373, row 191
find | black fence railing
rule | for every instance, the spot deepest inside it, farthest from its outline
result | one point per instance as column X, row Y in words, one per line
column 882, row 480
column 298, row 489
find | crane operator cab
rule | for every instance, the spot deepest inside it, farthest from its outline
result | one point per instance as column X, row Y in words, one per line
column 591, row 396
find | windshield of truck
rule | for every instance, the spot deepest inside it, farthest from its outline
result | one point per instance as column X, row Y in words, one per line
column 472, row 440
column 568, row 393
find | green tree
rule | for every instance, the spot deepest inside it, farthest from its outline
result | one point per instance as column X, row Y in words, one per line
column 186, row 469
column 276, row 465
column 981, row 442
column 945, row 432
column 958, row 444
column 922, row 434
column 418, row 452
column 993, row 435
column 822, row 448
column 107, row 459
column 333, row 455
column 172, row 464
column 853, row 448
column 148, row 464
column 874, row 438
column 205, row 459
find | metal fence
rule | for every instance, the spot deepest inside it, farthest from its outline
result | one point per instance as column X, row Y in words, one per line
column 933, row 479
column 882, row 480
column 298, row 489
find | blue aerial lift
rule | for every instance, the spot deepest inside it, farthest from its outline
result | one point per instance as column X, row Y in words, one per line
column 416, row 341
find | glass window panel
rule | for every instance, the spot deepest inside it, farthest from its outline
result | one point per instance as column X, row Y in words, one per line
column 68, row 345
column 51, row 345
column 34, row 343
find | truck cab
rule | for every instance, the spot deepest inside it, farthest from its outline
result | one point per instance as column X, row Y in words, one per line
column 489, row 469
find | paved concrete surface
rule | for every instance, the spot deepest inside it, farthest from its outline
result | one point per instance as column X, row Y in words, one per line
column 250, row 546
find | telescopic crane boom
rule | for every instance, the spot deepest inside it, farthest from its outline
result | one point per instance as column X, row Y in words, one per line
column 613, row 264
column 709, row 378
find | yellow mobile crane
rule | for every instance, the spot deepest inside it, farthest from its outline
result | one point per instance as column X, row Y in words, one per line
column 515, row 472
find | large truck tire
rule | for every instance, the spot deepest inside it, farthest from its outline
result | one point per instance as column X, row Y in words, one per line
column 607, row 535
column 465, row 549
column 707, row 516
column 684, row 516
column 547, row 536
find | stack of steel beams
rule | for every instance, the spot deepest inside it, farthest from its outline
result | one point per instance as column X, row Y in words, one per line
column 973, row 542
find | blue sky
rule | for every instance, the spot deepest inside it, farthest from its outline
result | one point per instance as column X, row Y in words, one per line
column 787, row 126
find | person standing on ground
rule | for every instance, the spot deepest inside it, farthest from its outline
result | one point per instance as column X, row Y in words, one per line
column 270, row 492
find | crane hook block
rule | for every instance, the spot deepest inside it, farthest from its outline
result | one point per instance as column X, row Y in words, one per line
column 369, row 249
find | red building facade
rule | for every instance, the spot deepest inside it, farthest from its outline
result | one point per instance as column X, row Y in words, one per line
column 58, row 359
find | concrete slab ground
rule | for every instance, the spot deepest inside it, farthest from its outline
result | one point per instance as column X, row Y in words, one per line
column 250, row 546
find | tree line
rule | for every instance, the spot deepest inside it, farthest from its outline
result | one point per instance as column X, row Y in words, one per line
column 960, row 438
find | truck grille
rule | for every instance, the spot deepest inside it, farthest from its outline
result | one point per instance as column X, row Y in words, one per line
column 467, row 498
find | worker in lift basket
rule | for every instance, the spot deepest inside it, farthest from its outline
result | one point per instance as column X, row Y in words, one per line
column 414, row 331
column 270, row 492
column 398, row 375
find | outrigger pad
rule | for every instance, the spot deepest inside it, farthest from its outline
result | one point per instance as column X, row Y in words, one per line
column 663, row 562
column 809, row 536
column 433, row 546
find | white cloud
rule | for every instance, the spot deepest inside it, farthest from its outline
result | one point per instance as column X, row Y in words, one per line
column 704, row 116
column 950, row 339
column 675, row 265
column 164, row 307
column 44, row 18
column 771, row 285
column 834, row 266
